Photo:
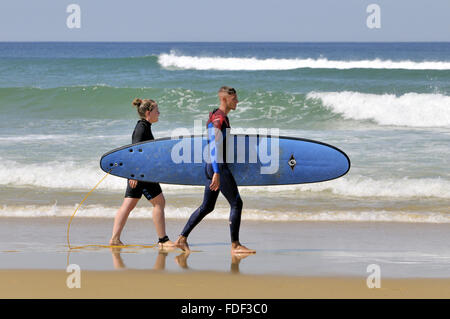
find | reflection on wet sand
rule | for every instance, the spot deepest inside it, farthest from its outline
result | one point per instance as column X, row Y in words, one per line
column 160, row 263
column 235, row 261
column 181, row 260
column 117, row 259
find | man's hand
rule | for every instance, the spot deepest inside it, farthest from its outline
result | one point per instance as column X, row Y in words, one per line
column 133, row 183
column 215, row 183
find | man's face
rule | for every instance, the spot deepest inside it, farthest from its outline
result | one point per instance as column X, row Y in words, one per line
column 232, row 101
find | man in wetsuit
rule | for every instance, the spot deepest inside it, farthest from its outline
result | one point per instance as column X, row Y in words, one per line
column 219, row 177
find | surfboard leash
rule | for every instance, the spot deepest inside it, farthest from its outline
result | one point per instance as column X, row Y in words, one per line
column 79, row 205
column 99, row 246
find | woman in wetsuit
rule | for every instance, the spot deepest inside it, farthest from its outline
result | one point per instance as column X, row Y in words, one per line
column 149, row 113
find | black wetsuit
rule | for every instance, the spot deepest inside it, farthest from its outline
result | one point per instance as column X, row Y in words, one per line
column 143, row 132
column 228, row 186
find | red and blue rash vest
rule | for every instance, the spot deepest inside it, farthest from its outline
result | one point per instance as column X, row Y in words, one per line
column 219, row 120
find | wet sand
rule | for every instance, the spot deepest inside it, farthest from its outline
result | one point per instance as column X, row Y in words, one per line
column 293, row 260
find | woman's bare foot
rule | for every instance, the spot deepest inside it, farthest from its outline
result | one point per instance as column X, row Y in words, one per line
column 115, row 242
column 181, row 243
column 237, row 248
column 168, row 245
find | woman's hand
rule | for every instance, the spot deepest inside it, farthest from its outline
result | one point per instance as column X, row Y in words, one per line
column 215, row 183
column 133, row 183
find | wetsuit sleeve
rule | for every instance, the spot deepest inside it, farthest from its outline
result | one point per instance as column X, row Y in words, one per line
column 213, row 147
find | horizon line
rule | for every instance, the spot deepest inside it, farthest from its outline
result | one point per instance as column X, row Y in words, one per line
column 94, row 41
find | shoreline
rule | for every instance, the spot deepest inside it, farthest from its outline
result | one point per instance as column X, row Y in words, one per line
column 305, row 249
column 145, row 284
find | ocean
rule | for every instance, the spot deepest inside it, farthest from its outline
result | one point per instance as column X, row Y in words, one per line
column 387, row 105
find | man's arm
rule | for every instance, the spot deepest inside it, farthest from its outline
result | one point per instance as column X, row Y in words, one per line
column 213, row 144
column 214, row 135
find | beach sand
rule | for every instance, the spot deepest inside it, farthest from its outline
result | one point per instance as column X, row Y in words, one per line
column 293, row 260
column 154, row 284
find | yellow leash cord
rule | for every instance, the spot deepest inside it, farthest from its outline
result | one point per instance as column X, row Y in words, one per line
column 100, row 246
column 85, row 197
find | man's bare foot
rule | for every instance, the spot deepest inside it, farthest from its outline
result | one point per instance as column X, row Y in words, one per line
column 115, row 242
column 167, row 246
column 181, row 243
column 237, row 248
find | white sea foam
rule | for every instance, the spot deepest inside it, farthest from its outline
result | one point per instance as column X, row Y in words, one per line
column 71, row 176
column 60, row 175
column 361, row 186
column 98, row 211
column 410, row 109
column 35, row 138
column 174, row 60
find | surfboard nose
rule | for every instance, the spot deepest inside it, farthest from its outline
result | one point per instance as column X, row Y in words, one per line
column 109, row 162
column 119, row 162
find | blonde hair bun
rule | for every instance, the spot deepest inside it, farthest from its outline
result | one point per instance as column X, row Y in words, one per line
column 137, row 102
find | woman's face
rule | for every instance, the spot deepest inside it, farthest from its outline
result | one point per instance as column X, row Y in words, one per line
column 153, row 115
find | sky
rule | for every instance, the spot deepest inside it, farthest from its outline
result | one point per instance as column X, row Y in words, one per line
column 223, row 21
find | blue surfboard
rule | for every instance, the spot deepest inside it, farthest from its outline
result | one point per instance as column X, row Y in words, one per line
column 254, row 160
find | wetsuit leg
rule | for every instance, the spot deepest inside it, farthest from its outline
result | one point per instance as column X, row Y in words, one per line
column 229, row 189
column 209, row 201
